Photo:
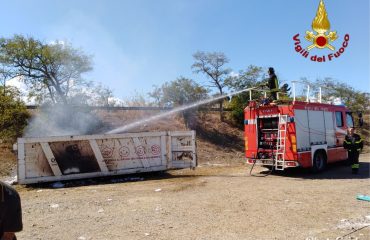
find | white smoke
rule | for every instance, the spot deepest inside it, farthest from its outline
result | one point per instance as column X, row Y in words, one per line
column 61, row 120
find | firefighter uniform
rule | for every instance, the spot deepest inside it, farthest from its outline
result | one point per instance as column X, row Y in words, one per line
column 353, row 143
column 273, row 84
column 10, row 211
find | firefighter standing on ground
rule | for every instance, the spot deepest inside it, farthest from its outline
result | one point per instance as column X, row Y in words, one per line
column 10, row 212
column 353, row 143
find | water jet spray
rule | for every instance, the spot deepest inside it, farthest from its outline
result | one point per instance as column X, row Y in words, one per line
column 176, row 110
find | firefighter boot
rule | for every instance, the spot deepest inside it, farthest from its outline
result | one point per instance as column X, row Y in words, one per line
column 355, row 168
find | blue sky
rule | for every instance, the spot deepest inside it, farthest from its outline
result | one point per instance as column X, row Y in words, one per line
column 136, row 44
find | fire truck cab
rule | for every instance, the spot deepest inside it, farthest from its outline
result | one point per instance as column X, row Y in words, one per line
column 295, row 134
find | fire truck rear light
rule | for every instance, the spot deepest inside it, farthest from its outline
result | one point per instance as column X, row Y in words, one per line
column 291, row 164
column 294, row 143
column 294, row 148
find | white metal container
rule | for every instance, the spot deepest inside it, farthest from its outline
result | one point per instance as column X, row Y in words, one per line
column 76, row 157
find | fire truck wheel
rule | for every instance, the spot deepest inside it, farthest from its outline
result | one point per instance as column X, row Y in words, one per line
column 319, row 161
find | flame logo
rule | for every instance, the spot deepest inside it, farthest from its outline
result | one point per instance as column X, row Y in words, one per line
column 321, row 25
column 321, row 22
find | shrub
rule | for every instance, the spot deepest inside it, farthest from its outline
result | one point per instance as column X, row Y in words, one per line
column 13, row 114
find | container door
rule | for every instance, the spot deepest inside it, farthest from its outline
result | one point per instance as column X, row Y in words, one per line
column 182, row 150
column 302, row 130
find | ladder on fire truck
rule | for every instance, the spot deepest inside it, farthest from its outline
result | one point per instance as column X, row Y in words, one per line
column 280, row 145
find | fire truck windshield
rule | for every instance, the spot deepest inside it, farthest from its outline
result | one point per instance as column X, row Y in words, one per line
column 349, row 119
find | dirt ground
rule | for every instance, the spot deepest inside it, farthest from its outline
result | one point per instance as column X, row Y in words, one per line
column 217, row 200
column 214, row 201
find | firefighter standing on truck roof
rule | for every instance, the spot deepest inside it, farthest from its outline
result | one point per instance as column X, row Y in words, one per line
column 10, row 212
column 273, row 83
column 353, row 143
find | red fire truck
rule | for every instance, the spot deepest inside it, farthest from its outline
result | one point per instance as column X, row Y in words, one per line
column 295, row 134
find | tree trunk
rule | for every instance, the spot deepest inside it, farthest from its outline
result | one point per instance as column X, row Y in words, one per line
column 221, row 108
column 51, row 93
column 58, row 90
column 60, row 94
column 4, row 92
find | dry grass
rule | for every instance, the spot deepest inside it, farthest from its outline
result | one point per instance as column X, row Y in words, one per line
column 217, row 142
column 7, row 159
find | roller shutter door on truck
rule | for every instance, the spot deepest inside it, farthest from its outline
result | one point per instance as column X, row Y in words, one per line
column 313, row 127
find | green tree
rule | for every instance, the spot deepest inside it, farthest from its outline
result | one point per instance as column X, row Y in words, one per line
column 54, row 68
column 5, row 75
column 179, row 92
column 212, row 64
column 248, row 78
column 13, row 114
column 102, row 96
column 355, row 100
column 93, row 95
column 137, row 99
column 182, row 91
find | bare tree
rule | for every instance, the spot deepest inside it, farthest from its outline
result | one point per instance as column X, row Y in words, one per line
column 212, row 64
